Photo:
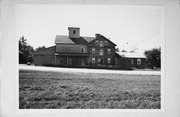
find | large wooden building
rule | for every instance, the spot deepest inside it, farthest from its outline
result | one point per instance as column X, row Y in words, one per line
column 74, row 50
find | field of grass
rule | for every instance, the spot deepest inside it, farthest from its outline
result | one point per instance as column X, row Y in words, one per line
column 47, row 90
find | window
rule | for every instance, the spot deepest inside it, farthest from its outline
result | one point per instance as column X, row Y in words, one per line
column 93, row 50
column 105, row 42
column 96, row 42
column 132, row 61
column 101, row 52
column 82, row 50
column 138, row 61
column 109, row 60
column 109, row 51
column 101, row 44
column 93, row 60
column 74, row 32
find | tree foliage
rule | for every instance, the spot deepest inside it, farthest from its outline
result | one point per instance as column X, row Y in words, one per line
column 25, row 51
column 40, row 48
column 153, row 58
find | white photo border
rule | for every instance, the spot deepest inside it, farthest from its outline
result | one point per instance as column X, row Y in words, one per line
column 10, row 71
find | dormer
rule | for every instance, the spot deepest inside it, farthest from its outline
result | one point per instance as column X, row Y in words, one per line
column 74, row 32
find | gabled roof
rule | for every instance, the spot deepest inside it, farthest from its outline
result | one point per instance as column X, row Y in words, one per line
column 108, row 40
column 101, row 36
column 89, row 39
column 131, row 54
column 79, row 40
column 63, row 39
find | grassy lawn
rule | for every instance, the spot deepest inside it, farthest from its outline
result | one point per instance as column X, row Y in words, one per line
column 45, row 90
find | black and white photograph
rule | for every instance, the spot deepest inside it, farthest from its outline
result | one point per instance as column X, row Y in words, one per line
column 89, row 56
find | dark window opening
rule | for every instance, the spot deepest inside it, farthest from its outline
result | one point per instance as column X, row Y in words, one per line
column 138, row 61
column 82, row 50
column 109, row 60
column 93, row 60
column 93, row 50
column 109, row 51
column 105, row 43
column 96, row 42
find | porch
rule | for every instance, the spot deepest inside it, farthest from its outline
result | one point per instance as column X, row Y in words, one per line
column 71, row 59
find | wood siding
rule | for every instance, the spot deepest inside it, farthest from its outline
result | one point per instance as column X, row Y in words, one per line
column 91, row 56
column 44, row 60
column 45, row 56
column 101, row 60
column 71, row 48
column 126, row 63
column 71, row 60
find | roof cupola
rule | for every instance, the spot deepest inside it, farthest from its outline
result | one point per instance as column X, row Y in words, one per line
column 74, row 32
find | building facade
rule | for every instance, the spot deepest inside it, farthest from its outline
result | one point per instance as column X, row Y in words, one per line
column 101, row 52
column 128, row 60
column 75, row 50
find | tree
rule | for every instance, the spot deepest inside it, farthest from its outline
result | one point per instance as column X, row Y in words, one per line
column 153, row 58
column 40, row 48
column 25, row 51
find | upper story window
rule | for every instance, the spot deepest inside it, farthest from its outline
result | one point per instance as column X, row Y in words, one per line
column 105, row 42
column 138, row 61
column 74, row 32
column 101, row 52
column 93, row 60
column 82, row 50
column 109, row 51
column 109, row 60
column 93, row 50
column 101, row 44
column 96, row 42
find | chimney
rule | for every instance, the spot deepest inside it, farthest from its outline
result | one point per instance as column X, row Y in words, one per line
column 97, row 35
column 74, row 32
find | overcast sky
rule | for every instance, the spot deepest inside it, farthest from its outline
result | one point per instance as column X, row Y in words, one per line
column 130, row 26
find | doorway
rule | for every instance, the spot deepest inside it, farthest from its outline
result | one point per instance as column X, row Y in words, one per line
column 100, row 61
column 82, row 61
column 70, row 61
